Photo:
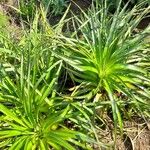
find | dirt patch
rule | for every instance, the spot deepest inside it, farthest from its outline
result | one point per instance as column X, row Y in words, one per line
column 144, row 23
column 136, row 137
column 77, row 4
column 139, row 135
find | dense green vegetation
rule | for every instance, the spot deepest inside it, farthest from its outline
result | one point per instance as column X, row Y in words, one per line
column 57, row 88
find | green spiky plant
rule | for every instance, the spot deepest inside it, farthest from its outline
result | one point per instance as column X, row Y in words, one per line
column 32, row 115
column 27, row 8
column 101, row 57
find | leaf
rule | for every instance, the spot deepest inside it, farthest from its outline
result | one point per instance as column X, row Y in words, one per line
column 46, row 91
column 53, row 144
column 9, row 133
column 42, row 145
column 18, row 144
column 16, row 126
column 55, row 118
column 8, row 113
column 64, row 133
column 5, row 143
column 28, row 143
column 79, row 107
column 59, row 141
column 115, row 110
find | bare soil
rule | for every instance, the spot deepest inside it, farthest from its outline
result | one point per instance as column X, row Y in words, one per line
column 136, row 136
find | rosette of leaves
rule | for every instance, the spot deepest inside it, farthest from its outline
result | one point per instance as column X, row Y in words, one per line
column 32, row 115
column 101, row 57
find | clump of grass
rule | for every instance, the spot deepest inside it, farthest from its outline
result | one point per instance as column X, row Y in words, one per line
column 33, row 115
column 103, row 60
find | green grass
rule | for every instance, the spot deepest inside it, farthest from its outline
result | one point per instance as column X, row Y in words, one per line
column 107, row 62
